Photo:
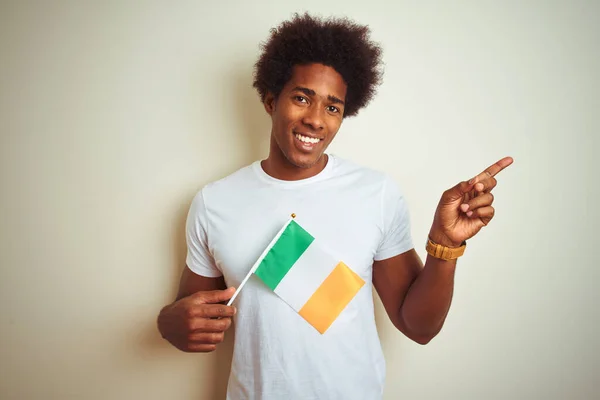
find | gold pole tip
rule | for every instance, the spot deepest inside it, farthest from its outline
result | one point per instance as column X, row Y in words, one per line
column 293, row 215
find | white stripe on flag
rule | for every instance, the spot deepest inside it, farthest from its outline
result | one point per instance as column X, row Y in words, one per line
column 305, row 276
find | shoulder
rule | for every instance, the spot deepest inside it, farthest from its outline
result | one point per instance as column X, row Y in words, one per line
column 229, row 187
column 230, row 184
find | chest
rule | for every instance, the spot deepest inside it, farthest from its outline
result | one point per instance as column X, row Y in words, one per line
column 347, row 224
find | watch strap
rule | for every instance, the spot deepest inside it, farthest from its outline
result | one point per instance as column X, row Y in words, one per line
column 443, row 252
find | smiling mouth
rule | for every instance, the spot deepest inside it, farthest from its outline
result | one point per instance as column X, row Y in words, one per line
column 307, row 140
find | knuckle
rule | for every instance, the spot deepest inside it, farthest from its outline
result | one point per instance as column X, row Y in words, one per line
column 226, row 324
column 220, row 325
column 190, row 324
column 218, row 337
column 204, row 297
column 189, row 348
column 203, row 311
column 191, row 338
column 189, row 312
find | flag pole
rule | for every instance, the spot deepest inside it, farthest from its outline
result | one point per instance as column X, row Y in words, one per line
column 262, row 256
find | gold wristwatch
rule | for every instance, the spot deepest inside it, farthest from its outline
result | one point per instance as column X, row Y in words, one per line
column 443, row 252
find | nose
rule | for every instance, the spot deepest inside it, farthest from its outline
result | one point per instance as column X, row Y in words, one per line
column 313, row 117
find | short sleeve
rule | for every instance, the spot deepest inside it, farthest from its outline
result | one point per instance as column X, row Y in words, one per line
column 199, row 259
column 396, row 238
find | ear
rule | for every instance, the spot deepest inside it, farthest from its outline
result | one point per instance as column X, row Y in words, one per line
column 269, row 103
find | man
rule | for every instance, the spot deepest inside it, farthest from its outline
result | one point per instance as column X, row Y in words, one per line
column 311, row 75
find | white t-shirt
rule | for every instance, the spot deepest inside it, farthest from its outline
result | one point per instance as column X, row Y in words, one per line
column 356, row 213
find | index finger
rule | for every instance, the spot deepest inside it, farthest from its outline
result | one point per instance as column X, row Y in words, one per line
column 493, row 169
column 214, row 311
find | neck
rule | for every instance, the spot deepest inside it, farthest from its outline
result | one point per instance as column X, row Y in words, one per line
column 279, row 167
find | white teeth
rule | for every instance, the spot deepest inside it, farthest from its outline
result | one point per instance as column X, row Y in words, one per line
column 307, row 139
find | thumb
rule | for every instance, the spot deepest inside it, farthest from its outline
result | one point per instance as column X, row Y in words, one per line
column 214, row 296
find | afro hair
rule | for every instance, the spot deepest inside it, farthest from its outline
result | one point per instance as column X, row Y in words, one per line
column 336, row 42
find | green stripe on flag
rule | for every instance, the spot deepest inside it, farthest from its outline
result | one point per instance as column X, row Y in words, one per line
column 281, row 257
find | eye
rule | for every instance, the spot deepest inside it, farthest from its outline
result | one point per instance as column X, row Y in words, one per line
column 300, row 99
column 333, row 109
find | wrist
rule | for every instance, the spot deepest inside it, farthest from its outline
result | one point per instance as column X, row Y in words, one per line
column 444, row 249
column 441, row 239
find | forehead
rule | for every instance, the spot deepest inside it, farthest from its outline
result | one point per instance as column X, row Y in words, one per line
column 324, row 80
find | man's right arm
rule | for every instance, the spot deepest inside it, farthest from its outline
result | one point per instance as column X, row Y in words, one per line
column 191, row 283
column 197, row 321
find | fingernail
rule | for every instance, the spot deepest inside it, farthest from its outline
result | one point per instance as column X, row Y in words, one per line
column 234, row 310
column 469, row 213
column 479, row 186
column 464, row 207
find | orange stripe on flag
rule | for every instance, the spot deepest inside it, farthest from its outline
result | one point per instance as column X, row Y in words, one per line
column 328, row 301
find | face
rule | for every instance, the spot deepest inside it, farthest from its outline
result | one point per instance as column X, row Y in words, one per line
column 307, row 114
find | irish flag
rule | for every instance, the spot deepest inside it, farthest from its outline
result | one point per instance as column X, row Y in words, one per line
column 308, row 278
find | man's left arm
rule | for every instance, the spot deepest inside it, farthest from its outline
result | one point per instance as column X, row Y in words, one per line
column 416, row 297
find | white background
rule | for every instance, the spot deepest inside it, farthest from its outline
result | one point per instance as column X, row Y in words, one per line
column 114, row 114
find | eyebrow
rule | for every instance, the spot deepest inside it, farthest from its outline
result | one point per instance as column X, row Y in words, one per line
column 310, row 92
